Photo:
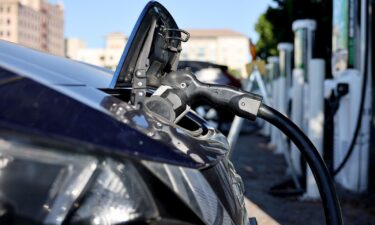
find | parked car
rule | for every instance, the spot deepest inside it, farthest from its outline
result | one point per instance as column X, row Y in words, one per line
column 75, row 149
column 208, row 72
column 214, row 74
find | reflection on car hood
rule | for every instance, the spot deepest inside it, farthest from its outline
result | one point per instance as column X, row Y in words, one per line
column 52, row 69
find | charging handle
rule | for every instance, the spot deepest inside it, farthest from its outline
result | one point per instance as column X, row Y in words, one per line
column 181, row 88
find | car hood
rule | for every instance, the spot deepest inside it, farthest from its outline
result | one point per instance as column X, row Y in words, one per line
column 52, row 69
column 56, row 100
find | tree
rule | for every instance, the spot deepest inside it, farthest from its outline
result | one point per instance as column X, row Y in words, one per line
column 266, row 44
column 275, row 26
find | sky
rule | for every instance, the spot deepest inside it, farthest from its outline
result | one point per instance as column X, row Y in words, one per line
column 91, row 20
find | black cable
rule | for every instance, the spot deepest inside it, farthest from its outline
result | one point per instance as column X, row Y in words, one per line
column 184, row 89
column 331, row 205
column 361, row 105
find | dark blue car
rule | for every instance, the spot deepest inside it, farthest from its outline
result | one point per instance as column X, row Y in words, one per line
column 76, row 149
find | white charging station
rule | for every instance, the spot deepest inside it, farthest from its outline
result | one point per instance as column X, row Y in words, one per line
column 349, row 68
column 285, row 58
column 266, row 130
column 297, row 114
column 273, row 62
column 354, row 175
column 283, row 86
column 315, row 118
column 304, row 32
column 284, row 99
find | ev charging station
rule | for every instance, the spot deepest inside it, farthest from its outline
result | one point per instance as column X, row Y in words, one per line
column 307, row 98
column 304, row 32
column 351, row 87
column 283, row 86
column 266, row 130
column 285, row 57
column 284, row 101
column 273, row 74
column 307, row 101
column 315, row 118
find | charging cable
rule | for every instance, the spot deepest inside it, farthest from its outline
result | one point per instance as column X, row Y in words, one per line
column 179, row 89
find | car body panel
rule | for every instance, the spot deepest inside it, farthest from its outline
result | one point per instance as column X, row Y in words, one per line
column 39, row 103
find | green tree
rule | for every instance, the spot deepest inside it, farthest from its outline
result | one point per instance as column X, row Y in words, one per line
column 275, row 26
column 235, row 73
column 267, row 43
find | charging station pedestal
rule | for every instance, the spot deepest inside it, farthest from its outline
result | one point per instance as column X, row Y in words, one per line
column 297, row 115
column 284, row 84
column 304, row 32
column 285, row 59
column 273, row 62
column 315, row 115
column 349, row 69
column 266, row 130
column 284, row 100
column 354, row 175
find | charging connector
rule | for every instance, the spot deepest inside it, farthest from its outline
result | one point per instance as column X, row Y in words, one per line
column 181, row 89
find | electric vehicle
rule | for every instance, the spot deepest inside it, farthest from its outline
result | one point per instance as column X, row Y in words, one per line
column 83, row 145
column 74, row 151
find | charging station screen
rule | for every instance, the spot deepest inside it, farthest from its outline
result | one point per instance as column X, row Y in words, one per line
column 343, row 35
column 282, row 57
column 300, row 51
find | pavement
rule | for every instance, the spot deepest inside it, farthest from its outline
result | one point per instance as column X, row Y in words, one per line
column 260, row 169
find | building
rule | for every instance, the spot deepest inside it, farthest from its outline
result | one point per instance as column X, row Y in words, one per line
column 107, row 57
column 73, row 46
column 33, row 23
column 221, row 46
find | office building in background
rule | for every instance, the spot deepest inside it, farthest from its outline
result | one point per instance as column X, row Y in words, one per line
column 220, row 46
column 107, row 57
column 33, row 23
